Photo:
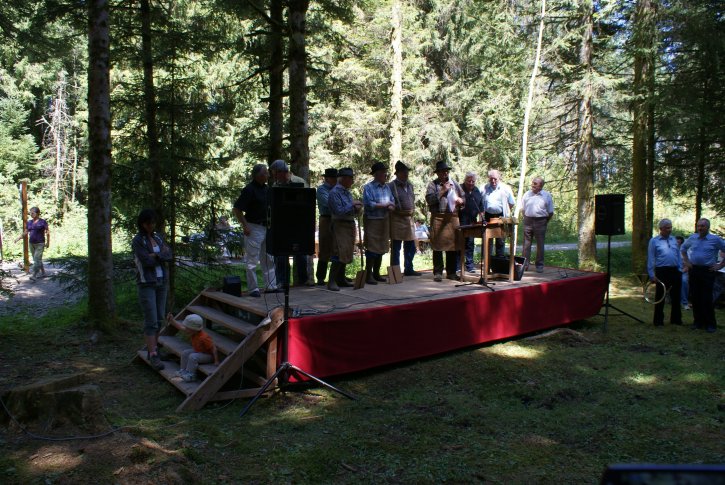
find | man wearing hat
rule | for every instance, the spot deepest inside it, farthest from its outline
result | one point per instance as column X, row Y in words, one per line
column 282, row 177
column 402, row 228
column 378, row 203
column 324, row 230
column 444, row 198
column 343, row 210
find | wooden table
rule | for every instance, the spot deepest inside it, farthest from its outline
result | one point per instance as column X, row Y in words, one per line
column 495, row 229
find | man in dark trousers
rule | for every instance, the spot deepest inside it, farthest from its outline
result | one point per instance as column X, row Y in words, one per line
column 702, row 265
column 665, row 265
column 324, row 232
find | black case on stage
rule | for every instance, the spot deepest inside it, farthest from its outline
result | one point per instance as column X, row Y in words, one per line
column 501, row 265
column 232, row 285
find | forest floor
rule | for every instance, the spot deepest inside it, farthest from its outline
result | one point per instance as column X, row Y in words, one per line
column 553, row 409
column 34, row 297
column 533, row 410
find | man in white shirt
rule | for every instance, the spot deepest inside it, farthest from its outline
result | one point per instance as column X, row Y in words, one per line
column 538, row 210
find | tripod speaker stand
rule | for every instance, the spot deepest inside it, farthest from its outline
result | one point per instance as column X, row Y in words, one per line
column 609, row 220
column 291, row 231
column 285, row 367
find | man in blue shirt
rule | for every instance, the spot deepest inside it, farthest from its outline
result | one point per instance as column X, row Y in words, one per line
column 343, row 209
column 702, row 265
column 324, row 229
column 664, row 264
column 498, row 199
column 378, row 202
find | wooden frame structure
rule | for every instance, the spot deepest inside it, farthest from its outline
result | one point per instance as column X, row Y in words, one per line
column 245, row 337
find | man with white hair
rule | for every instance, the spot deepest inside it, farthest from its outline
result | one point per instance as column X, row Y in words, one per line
column 702, row 264
column 538, row 210
column 498, row 199
column 664, row 264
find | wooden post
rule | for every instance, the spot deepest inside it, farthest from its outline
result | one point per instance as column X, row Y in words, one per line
column 24, row 201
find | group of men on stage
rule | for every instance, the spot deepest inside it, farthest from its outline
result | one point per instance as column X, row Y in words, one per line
column 388, row 210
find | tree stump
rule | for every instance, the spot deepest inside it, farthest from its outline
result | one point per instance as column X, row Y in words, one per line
column 57, row 402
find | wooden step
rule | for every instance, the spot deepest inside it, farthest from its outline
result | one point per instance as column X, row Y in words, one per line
column 234, row 301
column 233, row 323
column 224, row 345
column 168, row 373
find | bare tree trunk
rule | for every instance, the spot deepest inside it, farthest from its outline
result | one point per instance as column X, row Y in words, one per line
column 276, row 80
column 585, row 149
column 152, row 135
column 299, row 126
column 643, row 40
column 396, row 81
column 651, row 144
column 527, row 114
column 101, row 304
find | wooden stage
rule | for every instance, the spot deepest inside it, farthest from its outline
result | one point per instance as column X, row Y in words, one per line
column 333, row 333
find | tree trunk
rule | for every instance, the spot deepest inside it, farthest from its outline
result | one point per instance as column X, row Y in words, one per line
column 585, row 149
column 396, row 81
column 276, row 79
column 101, row 304
column 643, row 40
column 651, row 144
column 299, row 127
column 152, row 135
column 527, row 114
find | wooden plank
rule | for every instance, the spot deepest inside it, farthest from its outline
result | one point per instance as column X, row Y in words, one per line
column 271, row 366
column 233, row 323
column 234, row 301
column 233, row 362
column 175, row 344
column 223, row 344
column 169, row 373
column 254, row 377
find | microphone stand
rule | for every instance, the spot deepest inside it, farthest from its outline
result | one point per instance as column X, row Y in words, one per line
column 481, row 280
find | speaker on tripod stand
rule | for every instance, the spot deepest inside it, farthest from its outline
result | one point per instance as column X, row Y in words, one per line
column 291, row 232
column 609, row 221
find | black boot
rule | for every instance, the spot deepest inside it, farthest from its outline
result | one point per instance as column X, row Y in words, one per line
column 369, row 270
column 321, row 272
column 340, row 277
column 332, row 281
column 377, row 262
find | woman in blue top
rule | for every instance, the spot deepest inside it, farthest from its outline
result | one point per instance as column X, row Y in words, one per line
column 150, row 254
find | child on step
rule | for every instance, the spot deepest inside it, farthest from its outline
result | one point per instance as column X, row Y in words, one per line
column 203, row 350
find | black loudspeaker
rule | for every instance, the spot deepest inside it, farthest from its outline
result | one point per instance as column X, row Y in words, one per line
column 609, row 214
column 291, row 220
column 500, row 264
column 232, row 285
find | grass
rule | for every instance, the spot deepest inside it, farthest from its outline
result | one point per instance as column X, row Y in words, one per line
column 547, row 410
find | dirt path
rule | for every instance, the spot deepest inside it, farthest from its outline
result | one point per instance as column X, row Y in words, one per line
column 34, row 297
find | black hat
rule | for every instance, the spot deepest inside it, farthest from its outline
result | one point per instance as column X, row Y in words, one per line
column 442, row 165
column 330, row 172
column 401, row 167
column 377, row 166
column 345, row 172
